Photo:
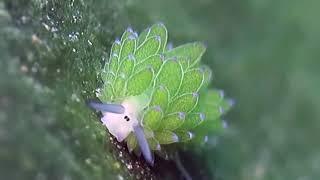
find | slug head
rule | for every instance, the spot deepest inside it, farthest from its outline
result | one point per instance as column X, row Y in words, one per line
column 121, row 125
column 121, row 120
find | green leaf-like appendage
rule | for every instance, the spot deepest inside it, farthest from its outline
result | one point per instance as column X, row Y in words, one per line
column 192, row 81
column 184, row 135
column 152, row 117
column 184, row 103
column 139, row 82
column 155, row 30
column 131, row 142
column 114, row 64
column 160, row 97
column 192, row 121
column 126, row 67
column 118, row 86
column 148, row 48
column 107, row 93
column 166, row 137
column 172, row 121
column 154, row 61
column 170, row 85
column 193, row 51
column 170, row 75
column 207, row 75
column 127, row 48
column 154, row 144
column 211, row 102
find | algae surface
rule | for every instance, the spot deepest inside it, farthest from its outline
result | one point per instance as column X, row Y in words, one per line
column 263, row 53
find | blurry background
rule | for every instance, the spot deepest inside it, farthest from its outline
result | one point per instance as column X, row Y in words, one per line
column 264, row 53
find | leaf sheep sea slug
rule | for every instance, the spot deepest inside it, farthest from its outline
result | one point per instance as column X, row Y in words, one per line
column 154, row 96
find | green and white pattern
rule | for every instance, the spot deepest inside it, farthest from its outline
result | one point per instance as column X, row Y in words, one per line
column 170, row 87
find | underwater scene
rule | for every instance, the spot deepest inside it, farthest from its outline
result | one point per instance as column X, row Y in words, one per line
column 159, row 89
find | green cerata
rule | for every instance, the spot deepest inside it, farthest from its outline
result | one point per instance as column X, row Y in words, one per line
column 154, row 96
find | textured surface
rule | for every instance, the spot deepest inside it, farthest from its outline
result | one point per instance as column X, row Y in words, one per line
column 166, row 85
column 264, row 54
column 50, row 52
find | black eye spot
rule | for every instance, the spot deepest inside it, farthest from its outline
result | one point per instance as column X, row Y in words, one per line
column 126, row 118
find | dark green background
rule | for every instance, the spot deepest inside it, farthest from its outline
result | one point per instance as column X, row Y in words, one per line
column 264, row 53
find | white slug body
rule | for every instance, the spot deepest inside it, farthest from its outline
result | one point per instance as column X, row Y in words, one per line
column 121, row 125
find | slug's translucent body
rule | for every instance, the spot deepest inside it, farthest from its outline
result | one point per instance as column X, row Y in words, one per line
column 154, row 96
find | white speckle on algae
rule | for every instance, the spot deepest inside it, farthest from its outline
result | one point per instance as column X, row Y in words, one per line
column 73, row 36
column 54, row 29
column 46, row 26
column 74, row 97
column 129, row 166
column 35, row 39
column 89, row 42
column 98, row 92
column 77, row 142
column 24, row 19
column 120, row 177
column 88, row 161
column 24, row 68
